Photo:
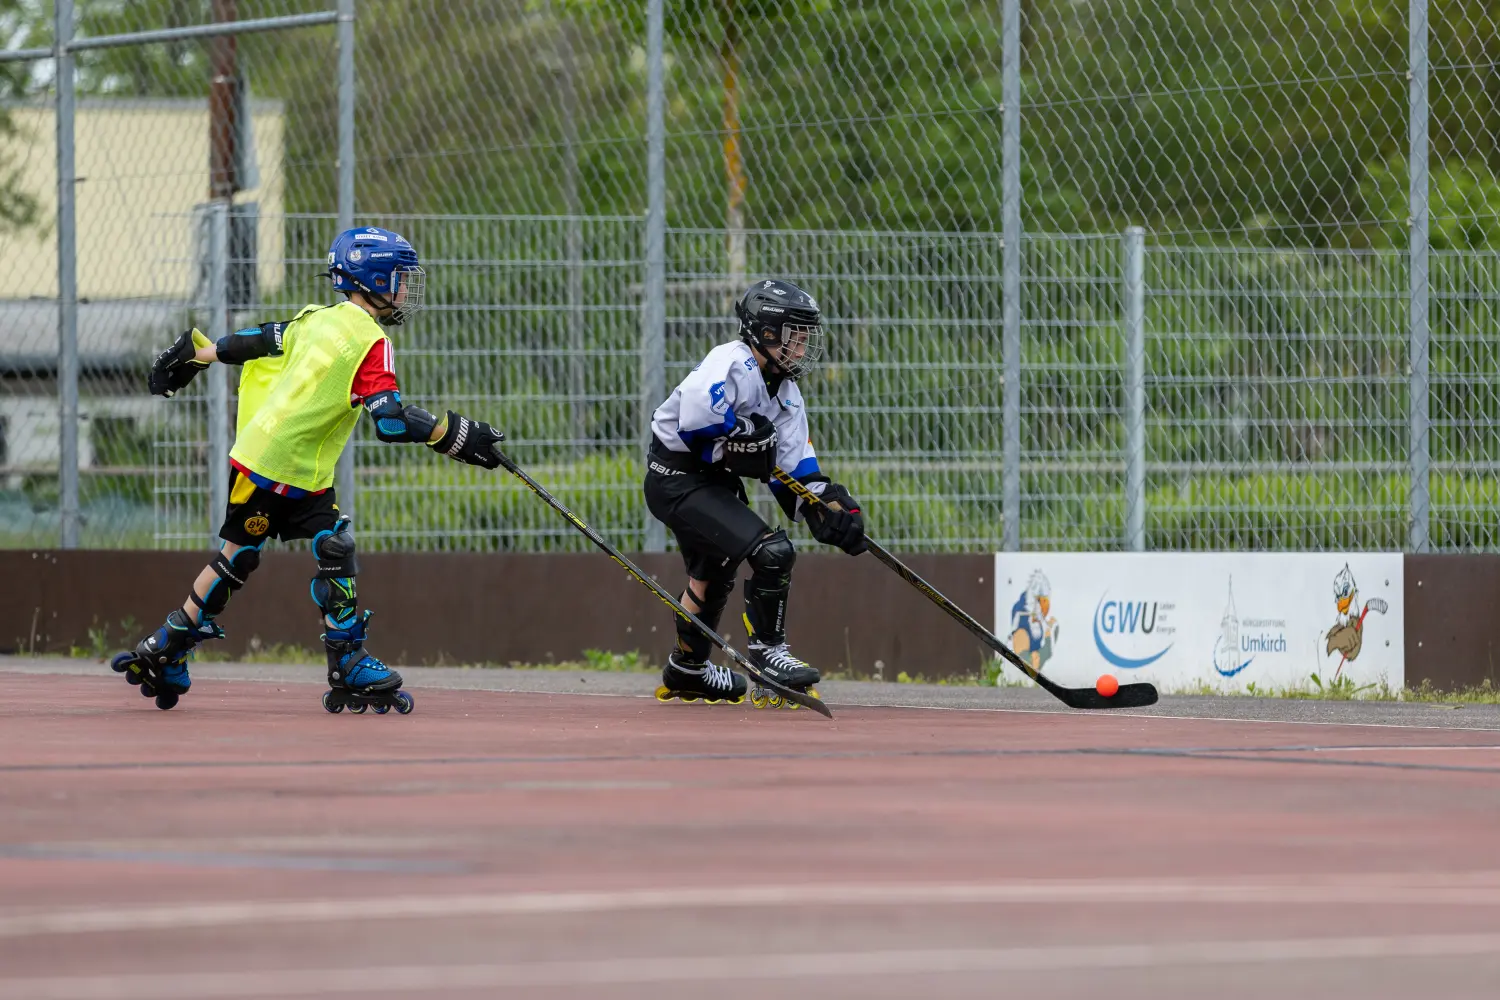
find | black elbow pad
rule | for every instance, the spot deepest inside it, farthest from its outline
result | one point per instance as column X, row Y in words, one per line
column 397, row 424
column 262, row 341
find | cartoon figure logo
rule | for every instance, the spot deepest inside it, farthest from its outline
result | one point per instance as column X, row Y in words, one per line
column 1033, row 629
column 1226, row 650
column 1348, row 633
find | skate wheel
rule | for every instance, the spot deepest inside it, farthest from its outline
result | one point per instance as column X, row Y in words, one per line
column 759, row 699
column 330, row 704
column 148, row 690
column 166, row 699
column 404, row 703
column 357, row 709
column 736, row 701
column 381, row 709
column 775, row 701
column 663, row 693
column 121, row 663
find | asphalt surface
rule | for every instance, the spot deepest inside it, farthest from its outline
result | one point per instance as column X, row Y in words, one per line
column 505, row 840
column 836, row 693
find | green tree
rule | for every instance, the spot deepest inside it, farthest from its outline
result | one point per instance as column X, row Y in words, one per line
column 18, row 206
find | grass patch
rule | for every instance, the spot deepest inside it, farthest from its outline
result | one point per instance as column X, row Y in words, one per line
column 1343, row 689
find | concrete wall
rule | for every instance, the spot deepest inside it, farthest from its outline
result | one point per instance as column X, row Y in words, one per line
column 846, row 614
column 465, row 608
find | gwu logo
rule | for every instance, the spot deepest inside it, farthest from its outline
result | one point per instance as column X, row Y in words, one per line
column 1122, row 621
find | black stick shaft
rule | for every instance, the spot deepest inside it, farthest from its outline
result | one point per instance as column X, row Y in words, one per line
column 806, row 700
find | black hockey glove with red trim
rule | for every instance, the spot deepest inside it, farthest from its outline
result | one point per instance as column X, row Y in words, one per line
column 844, row 527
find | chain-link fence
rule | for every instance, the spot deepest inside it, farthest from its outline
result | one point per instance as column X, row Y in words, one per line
column 1298, row 350
column 151, row 136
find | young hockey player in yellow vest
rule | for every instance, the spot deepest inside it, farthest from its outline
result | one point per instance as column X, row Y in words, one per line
column 301, row 390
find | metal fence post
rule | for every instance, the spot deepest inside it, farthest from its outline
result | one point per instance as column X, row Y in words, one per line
column 218, row 375
column 567, row 78
column 654, row 308
column 1418, row 277
column 344, row 472
column 67, row 281
column 1010, row 288
column 1133, row 295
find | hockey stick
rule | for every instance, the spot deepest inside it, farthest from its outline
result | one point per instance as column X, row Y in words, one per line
column 806, row 700
column 1137, row 695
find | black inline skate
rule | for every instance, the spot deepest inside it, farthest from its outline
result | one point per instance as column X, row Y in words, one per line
column 158, row 665
column 705, row 682
column 777, row 662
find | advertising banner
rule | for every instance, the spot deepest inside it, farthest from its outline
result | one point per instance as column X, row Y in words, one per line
column 1233, row 622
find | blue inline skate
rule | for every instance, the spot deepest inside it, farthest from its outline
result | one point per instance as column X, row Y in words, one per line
column 158, row 666
column 357, row 680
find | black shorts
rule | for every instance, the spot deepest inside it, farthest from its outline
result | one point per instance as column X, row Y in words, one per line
column 711, row 518
column 255, row 513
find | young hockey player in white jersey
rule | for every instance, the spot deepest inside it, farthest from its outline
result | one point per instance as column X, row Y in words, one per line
column 737, row 415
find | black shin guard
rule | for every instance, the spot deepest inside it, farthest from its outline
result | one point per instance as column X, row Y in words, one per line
column 232, row 571
column 693, row 646
column 766, row 591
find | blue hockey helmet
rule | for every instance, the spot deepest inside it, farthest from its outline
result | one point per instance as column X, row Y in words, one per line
column 383, row 265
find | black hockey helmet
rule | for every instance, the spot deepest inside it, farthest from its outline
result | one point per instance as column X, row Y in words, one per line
column 782, row 322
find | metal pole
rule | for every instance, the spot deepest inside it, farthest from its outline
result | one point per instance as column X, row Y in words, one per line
column 344, row 473
column 216, row 29
column 218, row 375
column 577, row 375
column 67, row 280
column 1420, row 330
column 1134, row 296
column 1010, row 337
column 223, row 178
column 654, row 310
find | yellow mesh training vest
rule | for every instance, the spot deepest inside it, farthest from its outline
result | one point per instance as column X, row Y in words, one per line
column 295, row 416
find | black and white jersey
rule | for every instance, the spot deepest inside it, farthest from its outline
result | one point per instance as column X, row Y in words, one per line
column 726, row 387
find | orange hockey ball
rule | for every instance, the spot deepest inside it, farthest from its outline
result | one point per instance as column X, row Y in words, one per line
column 1107, row 685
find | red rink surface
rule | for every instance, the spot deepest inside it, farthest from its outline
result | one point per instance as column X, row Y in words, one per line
column 247, row 844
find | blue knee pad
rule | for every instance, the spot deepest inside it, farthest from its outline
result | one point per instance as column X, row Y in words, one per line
column 333, row 589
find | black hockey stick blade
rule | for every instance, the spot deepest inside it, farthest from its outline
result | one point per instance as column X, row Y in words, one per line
column 788, row 694
column 1135, row 695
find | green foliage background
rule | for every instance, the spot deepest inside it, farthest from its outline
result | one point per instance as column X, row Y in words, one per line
column 1278, row 415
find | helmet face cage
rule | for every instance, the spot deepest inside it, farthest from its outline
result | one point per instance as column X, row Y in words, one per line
column 796, row 348
column 408, row 292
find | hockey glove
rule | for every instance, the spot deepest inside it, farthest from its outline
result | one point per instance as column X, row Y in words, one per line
column 844, row 528
column 470, row 441
column 750, row 449
column 175, row 367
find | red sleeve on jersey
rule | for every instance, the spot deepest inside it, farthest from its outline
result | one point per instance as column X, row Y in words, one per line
column 377, row 373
